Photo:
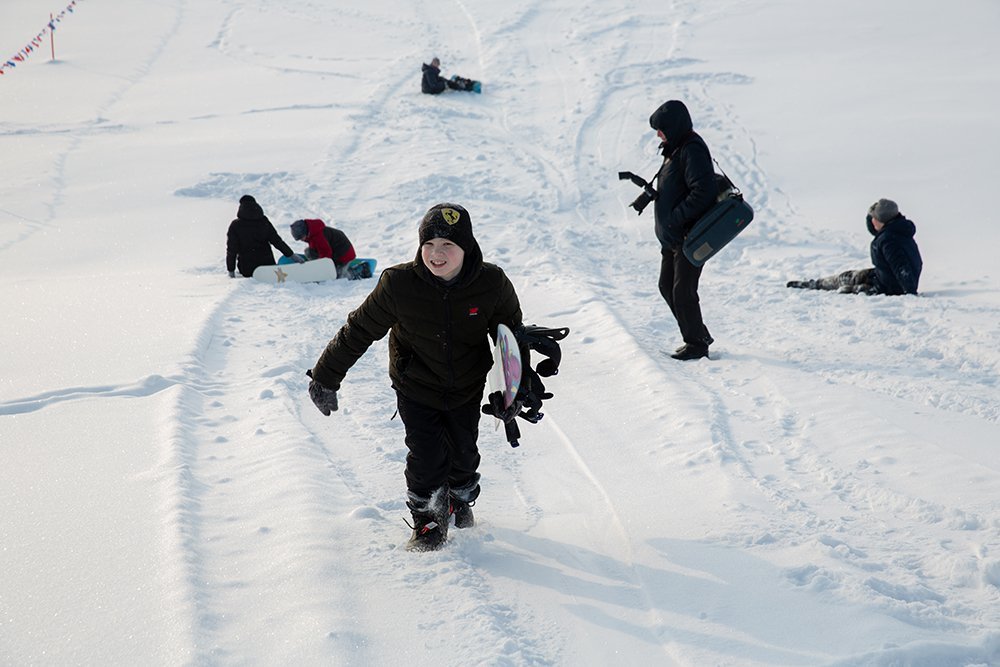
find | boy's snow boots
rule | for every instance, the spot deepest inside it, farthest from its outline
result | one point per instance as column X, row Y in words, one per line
column 462, row 499
column 430, row 520
column 463, row 513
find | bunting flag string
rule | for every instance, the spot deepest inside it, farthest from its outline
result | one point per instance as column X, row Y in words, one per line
column 36, row 42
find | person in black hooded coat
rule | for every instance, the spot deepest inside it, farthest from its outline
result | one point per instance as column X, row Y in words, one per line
column 895, row 257
column 432, row 83
column 686, row 189
column 249, row 240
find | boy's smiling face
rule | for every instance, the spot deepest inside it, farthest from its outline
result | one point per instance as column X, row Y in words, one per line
column 442, row 258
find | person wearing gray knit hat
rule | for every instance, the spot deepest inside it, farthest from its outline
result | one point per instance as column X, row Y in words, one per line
column 883, row 210
column 894, row 253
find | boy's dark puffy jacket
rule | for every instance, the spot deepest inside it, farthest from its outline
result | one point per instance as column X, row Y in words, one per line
column 686, row 183
column 896, row 257
column 432, row 82
column 250, row 237
column 439, row 352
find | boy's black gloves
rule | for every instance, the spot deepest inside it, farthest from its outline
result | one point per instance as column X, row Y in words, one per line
column 323, row 397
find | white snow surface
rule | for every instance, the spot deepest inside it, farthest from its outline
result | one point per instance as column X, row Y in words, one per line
column 824, row 491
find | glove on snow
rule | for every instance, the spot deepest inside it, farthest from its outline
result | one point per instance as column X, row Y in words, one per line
column 232, row 274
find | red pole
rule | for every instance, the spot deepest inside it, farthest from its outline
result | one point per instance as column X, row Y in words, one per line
column 52, row 37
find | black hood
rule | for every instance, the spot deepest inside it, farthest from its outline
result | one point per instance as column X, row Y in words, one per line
column 899, row 225
column 674, row 120
column 249, row 209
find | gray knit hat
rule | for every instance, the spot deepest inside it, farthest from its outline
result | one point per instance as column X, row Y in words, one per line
column 884, row 210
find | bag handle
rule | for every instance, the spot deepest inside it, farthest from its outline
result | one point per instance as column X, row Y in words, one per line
column 736, row 190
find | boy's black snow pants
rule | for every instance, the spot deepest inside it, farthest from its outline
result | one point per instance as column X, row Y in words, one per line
column 443, row 447
column 679, row 287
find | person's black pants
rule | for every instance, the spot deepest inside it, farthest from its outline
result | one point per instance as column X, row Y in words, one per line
column 679, row 288
column 443, row 447
column 850, row 278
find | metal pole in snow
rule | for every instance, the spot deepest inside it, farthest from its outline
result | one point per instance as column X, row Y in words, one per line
column 52, row 37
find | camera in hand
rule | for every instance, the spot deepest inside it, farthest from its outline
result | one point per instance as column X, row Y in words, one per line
column 648, row 193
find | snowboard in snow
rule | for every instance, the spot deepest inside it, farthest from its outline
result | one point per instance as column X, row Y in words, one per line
column 461, row 83
column 360, row 268
column 313, row 271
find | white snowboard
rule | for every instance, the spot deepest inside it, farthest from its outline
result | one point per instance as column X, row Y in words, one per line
column 505, row 376
column 313, row 271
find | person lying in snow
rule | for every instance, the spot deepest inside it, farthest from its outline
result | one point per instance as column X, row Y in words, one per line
column 894, row 252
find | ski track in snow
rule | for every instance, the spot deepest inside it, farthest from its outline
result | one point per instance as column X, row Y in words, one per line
column 227, row 529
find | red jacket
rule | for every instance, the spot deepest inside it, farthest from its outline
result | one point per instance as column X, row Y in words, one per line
column 329, row 242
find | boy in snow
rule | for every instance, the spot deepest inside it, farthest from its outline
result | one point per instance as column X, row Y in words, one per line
column 438, row 310
column 249, row 240
column 894, row 252
column 324, row 241
column 686, row 189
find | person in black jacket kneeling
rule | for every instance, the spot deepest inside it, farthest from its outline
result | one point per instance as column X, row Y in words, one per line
column 895, row 256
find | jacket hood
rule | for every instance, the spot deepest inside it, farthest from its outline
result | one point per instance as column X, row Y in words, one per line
column 427, row 67
column 898, row 225
column 249, row 209
column 674, row 120
column 472, row 265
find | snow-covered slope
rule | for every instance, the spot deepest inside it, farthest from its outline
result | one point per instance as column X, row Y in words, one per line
column 823, row 491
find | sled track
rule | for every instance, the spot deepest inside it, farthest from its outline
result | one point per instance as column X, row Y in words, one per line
column 266, row 498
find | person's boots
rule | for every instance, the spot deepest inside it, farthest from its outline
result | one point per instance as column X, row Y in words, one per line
column 463, row 513
column 708, row 341
column 462, row 500
column 689, row 352
column 430, row 521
